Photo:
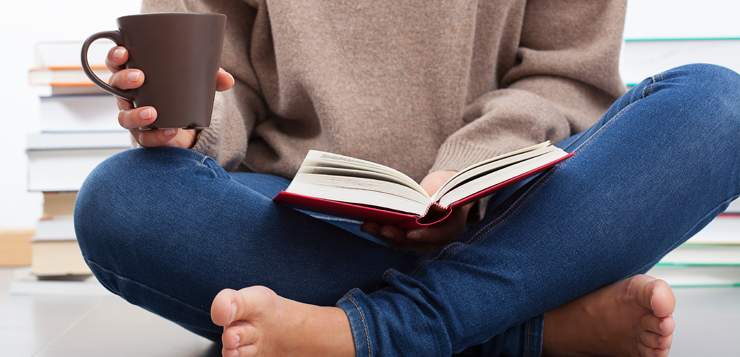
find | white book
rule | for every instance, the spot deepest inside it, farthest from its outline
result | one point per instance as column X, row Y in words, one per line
column 642, row 58
column 65, row 89
column 65, row 141
column 63, row 170
column 79, row 113
column 703, row 255
column 25, row 283
column 55, row 54
column 687, row 277
column 69, row 76
column 722, row 230
column 62, row 161
column 59, row 228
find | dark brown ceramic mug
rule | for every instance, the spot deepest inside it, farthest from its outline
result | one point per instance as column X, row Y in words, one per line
column 179, row 54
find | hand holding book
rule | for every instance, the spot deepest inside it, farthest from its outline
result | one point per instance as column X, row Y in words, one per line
column 433, row 236
column 370, row 192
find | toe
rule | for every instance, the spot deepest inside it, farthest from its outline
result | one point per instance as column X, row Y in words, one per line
column 663, row 302
column 239, row 334
column 247, row 351
column 228, row 352
column 661, row 326
column 655, row 341
column 645, row 351
column 653, row 294
column 223, row 308
column 229, row 305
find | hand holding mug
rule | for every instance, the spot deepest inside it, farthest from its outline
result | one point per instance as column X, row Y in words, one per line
column 135, row 118
column 166, row 73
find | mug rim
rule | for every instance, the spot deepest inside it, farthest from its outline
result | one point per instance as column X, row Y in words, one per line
column 175, row 14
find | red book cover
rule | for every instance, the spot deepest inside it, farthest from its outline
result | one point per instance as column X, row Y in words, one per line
column 364, row 213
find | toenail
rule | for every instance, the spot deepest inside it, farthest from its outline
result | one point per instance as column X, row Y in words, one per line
column 233, row 313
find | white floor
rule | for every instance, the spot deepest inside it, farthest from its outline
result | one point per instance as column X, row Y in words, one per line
column 708, row 321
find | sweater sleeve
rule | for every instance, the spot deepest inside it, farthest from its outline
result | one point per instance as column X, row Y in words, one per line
column 565, row 76
column 235, row 111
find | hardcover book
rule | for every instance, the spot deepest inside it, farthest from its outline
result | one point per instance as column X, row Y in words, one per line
column 367, row 191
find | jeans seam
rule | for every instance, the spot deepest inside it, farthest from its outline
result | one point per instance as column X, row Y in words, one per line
column 147, row 287
column 366, row 330
column 682, row 240
column 429, row 327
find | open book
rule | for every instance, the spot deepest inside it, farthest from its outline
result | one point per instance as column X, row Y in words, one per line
column 366, row 191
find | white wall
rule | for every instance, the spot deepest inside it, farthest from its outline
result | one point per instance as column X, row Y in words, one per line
column 22, row 23
column 682, row 18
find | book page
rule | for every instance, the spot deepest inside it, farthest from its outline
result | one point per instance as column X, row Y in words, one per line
column 489, row 166
column 360, row 191
column 496, row 158
column 499, row 176
column 317, row 158
column 349, row 172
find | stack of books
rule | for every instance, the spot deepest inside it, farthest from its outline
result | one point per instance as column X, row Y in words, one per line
column 712, row 257
column 78, row 130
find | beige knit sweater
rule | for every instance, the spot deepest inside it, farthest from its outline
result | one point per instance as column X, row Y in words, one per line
column 418, row 85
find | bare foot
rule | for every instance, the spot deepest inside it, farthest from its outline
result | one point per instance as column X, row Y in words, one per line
column 628, row 318
column 258, row 322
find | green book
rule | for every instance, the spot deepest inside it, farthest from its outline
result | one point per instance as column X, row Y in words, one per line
column 698, row 277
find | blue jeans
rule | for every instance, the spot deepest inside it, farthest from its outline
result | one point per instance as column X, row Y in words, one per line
column 166, row 229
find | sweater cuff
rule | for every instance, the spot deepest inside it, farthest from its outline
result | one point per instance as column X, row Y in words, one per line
column 457, row 154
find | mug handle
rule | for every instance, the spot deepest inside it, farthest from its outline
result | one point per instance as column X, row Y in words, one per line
column 116, row 37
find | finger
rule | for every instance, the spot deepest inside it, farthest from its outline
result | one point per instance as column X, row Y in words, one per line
column 156, row 138
column 440, row 234
column 443, row 232
column 392, row 233
column 371, row 227
column 123, row 104
column 224, row 80
column 117, row 57
column 137, row 118
column 127, row 79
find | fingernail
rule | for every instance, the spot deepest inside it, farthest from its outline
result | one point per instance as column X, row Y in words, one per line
column 232, row 317
column 118, row 53
column 133, row 76
column 413, row 235
column 238, row 339
column 146, row 114
column 169, row 132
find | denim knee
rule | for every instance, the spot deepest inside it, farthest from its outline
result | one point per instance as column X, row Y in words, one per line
column 711, row 83
column 110, row 209
column 712, row 90
column 102, row 193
